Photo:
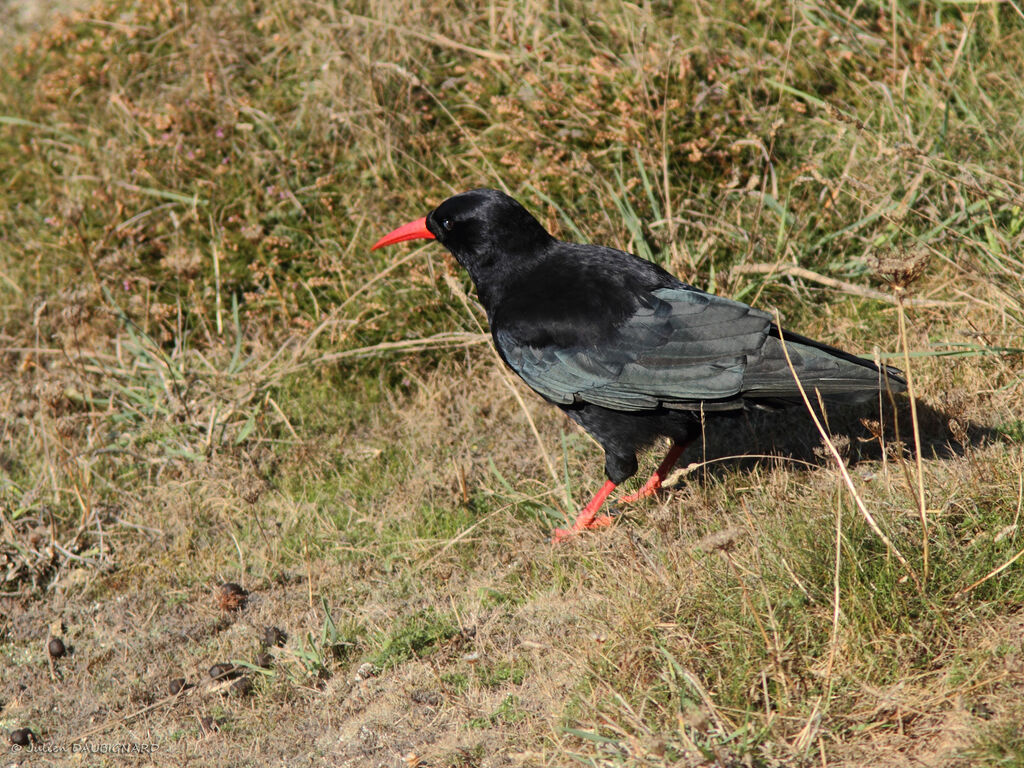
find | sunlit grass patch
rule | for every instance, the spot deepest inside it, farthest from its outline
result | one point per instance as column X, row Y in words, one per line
column 205, row 376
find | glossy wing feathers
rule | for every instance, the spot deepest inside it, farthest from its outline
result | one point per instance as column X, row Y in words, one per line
column 683, row 348
column 836, row 374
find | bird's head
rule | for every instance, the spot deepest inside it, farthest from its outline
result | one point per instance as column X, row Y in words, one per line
column 488, row 233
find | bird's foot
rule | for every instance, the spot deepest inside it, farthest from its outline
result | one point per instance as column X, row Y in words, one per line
column 561, row 534
column 651, row 487
column 588, row 517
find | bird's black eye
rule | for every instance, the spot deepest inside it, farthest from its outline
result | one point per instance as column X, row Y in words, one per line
column 447, row 224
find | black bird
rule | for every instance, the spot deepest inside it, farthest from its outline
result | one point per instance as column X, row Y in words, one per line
column 627, row 350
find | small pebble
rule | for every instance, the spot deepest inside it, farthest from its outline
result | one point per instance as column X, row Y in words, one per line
column 264, row 660
column 22, row 737
column 221, row 670
column 176, row 685
column 56, row 647
column 241, row 687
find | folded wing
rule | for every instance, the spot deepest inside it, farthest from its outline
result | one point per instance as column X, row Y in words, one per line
column 683, row 348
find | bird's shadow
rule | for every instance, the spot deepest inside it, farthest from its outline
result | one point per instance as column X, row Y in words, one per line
column 861, row 433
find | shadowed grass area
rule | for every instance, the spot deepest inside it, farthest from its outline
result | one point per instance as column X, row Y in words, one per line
column 207, row 377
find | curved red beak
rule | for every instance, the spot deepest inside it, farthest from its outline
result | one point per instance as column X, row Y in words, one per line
column 414, row 230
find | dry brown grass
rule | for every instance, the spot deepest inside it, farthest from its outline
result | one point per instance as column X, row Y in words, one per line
column 205, row 377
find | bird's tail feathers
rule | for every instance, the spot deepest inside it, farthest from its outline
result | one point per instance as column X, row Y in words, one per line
column 833, row 373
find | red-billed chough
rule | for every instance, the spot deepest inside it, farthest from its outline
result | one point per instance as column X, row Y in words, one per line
column 628, row 351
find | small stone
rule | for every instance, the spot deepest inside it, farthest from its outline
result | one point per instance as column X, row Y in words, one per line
column 22, row 737
column 220, row 671
column 56, row 647
column 241, row 687
column 176, row 685
column 264, row 660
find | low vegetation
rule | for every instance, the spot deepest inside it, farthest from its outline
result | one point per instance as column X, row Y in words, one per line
column 206, row 377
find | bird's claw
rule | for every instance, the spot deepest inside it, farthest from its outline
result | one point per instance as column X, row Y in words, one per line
column 651, row 489
column 561, row 534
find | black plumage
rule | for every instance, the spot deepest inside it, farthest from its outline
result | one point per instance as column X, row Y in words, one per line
column 626, row 349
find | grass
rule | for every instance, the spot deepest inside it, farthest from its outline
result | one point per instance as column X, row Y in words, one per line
column 208, row 377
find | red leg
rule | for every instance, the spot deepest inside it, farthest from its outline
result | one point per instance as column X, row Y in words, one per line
column 654, row 482
column 587, row 518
